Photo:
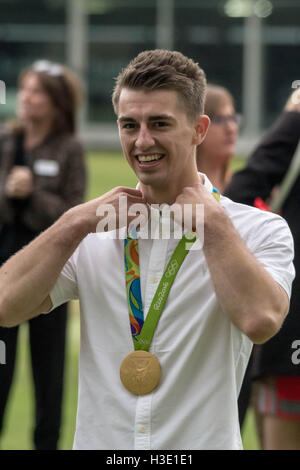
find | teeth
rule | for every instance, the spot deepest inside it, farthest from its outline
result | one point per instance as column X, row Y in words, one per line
column 149, row 158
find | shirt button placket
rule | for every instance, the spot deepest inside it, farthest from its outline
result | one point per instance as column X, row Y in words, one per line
column 143, row 407
column 143, row 423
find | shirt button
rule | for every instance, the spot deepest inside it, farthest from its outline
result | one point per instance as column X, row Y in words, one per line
column 142, row 429
column 154, row 279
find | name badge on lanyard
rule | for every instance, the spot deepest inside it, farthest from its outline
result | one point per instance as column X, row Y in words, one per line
column 46, row 168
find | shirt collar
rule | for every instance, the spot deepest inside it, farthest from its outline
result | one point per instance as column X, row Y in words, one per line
column 207, row 184
column 157, row 218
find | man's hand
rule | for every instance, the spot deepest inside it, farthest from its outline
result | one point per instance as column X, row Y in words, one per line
column 190, row 199
column 19, row 183
column 111, row 210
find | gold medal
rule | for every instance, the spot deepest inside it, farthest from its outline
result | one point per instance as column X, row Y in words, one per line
column 140, row 372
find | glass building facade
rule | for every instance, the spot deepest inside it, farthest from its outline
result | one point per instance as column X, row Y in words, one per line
column 98, row 37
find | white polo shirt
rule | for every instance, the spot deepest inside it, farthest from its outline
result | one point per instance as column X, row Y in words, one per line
column 202, row 354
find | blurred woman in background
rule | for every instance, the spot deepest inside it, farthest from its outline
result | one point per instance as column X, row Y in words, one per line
column 216, row 151
column 42, row 174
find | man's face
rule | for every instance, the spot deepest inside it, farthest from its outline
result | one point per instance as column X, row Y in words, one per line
column 157, row 137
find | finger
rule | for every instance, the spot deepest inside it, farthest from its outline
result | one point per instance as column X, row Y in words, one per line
column 22, row 179
column 11, row 177
column 19, row 167
column 21, row 189
column 15, row 180
column 131, row 191
column 136, row 200
column 21, row 173
column 199, row 184
column 16, row 172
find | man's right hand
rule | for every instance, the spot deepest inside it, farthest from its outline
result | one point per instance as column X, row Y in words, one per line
column 111, row 210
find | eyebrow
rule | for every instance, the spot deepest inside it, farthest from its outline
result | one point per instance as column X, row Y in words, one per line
column 159, row 117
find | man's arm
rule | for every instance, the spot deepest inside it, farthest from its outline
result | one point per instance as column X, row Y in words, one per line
column 247, row 293
column 28, row 277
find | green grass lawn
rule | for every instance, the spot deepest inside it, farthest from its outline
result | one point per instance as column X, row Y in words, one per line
column 106, row 170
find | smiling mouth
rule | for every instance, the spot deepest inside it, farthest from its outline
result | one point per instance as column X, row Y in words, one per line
column 147, row 159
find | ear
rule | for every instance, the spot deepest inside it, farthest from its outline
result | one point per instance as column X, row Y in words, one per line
column 201, row 128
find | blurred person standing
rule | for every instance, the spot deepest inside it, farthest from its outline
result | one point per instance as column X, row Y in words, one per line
column 214, row 154
column 276, row 367
column 42, row 174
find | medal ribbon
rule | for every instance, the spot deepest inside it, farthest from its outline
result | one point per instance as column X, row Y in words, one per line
column 133, row 286
column 143, row 331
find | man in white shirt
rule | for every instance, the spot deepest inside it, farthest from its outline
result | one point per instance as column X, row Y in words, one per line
column 232, row 291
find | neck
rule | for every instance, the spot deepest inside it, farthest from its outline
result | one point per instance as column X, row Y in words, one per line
column 213, row 170
column 36, row 132
column 167, row 195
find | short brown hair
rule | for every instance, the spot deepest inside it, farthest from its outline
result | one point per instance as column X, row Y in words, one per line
column 165, row 70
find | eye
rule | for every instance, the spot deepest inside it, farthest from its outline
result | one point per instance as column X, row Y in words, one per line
column 160, row 124
column 129, row 125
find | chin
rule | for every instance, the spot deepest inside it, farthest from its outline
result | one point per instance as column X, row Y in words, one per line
column 149, row 180
column 25, row 116
column 145, row 179
column 230, row 151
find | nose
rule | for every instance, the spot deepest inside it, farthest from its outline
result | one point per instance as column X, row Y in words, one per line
column 144, row 138
column 231, row 127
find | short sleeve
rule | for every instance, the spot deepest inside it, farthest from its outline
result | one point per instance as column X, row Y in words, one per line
column 65, row 288
column 268, row 237
column 274, row 249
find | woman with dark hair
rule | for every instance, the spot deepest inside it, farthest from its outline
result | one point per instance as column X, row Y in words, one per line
column 216, row 151
column 42, row 174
